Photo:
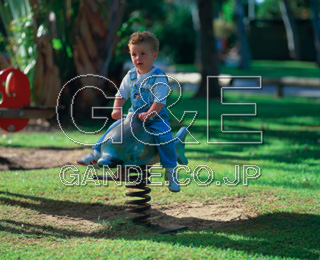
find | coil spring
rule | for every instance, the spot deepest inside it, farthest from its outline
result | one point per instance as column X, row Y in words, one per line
column 139, row 182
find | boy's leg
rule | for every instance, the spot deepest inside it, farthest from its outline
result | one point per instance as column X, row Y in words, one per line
column 166, row 146
column 167, row 152
column 93, row 157
column 171, row 177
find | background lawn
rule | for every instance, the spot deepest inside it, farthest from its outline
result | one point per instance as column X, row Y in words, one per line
column 42, row 218
column 265, row 68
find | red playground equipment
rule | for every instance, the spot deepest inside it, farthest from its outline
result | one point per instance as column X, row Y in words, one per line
column 15, row 110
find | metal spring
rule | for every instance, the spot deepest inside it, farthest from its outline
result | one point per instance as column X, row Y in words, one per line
column 142, row 204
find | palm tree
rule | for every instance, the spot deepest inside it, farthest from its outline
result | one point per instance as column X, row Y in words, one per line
column 53, row 41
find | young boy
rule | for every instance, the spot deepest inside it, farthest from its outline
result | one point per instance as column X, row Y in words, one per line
column 153, row 85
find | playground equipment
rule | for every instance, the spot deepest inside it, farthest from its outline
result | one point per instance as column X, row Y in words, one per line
column 15, row 110
column 133, row 159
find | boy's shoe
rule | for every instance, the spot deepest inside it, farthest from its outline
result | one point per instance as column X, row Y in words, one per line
column 172, row 177
column 90, row 159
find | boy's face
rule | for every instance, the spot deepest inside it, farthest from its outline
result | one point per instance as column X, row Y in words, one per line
column 142, row 57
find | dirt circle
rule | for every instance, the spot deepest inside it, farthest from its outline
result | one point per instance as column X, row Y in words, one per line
column 198, row 215
column 37, row 158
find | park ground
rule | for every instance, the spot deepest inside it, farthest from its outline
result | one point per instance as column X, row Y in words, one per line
column 276, row 216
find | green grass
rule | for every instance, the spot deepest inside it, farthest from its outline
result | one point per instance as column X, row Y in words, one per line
column 41, row 218
column 266, row 68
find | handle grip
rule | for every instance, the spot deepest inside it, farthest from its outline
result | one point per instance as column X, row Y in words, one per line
column 7, row 87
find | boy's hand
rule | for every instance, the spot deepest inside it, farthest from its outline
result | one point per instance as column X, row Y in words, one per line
column 116, row 114
column 118, row 103
column 145, row 116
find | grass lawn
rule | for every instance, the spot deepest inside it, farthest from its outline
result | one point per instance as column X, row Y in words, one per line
column 42, row 218
column 267, row 68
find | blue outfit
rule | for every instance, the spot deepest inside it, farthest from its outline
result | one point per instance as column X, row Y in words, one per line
column 142, row 96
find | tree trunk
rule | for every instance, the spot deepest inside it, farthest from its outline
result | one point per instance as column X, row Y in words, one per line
column 117, row 10
column 245, row 55
column 291, row 31
column 316, row 27
column 252, row 10
column 209, row 64
column 196, row 27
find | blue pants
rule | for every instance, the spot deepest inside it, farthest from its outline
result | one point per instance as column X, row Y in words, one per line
column 166, row 146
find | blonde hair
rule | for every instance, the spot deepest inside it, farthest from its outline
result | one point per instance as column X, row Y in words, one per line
column 144, row 37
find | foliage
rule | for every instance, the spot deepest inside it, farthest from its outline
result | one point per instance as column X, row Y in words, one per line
column 17, row 27
column 131, row 22
column 52, row 41
column 227, row 9
column 138, row 16
column 150, row 12
column 171, row 22
column 177, row 35
column 224, row 29
column 269, row 9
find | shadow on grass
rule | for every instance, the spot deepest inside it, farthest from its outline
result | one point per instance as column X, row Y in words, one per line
column 58, row 148
column 278, row 234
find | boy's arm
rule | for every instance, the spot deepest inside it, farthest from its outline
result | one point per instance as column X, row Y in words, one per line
column 153, row 111
column 118, row 103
